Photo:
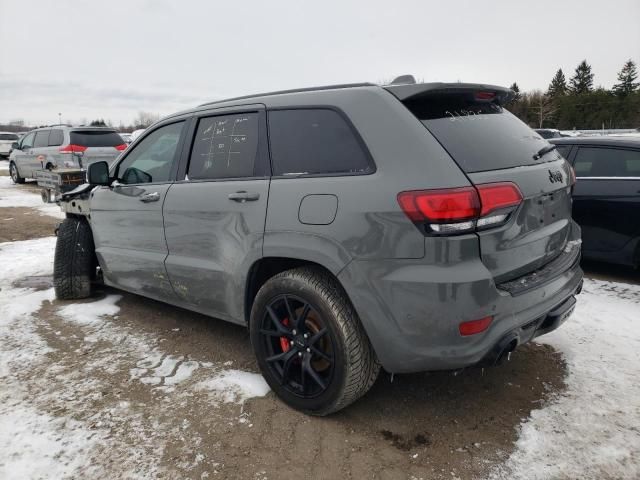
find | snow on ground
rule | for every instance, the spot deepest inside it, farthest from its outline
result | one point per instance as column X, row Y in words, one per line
column 80, row 444
column 32, row 444
column 4, row 166
column 592, row 430
column 19, row 196
column 234, row 386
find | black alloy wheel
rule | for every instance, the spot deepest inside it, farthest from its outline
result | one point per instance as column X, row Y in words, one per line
column 299, row 346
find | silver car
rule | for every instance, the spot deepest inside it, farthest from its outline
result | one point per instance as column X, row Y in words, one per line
column 62, row 147
column 6, row 141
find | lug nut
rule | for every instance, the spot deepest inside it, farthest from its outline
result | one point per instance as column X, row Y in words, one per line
column 291, row 342
column 294, row 332
column 309, row 350
column 299, row 354
column 306, row 335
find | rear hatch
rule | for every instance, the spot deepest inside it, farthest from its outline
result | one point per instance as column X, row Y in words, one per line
column 490, row 145
column 97, row 145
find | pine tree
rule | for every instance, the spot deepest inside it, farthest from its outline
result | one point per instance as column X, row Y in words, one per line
column 627, row 78
column 516, row 89
column 582, row 80
column 558, row 85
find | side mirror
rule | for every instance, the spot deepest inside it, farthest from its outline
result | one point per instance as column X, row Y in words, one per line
column 15, row 146
column 98, row 173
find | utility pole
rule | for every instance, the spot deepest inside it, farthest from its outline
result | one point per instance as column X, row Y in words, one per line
column 60, row 118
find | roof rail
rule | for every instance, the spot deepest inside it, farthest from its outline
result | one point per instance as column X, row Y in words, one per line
column 294, row 90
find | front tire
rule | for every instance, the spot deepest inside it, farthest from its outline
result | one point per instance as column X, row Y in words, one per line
column 13, row 172
column 74, row 262
column 309, row 342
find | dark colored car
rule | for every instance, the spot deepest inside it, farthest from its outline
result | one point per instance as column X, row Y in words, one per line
column 414, row 227
column 548, row 133
column 606, row 198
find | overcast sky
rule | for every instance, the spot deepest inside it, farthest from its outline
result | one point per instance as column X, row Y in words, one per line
column 113, row 58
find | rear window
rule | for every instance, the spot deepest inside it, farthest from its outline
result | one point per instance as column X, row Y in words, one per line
column 95, row 138
column 314, row 141
column 8, row 136
column 479, row 135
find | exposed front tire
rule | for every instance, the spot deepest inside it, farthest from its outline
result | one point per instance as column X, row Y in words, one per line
column 74, row 263
column 13, row 172
column 309, row 342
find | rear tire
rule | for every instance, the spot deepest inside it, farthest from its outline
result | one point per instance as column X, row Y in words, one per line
column 318, row 376
column 13, row 172
column 74, row 263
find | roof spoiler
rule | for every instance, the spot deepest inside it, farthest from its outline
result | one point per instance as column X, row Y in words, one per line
column 405, row 92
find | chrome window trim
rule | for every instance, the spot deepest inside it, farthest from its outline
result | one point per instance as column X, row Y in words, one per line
column 607, row 178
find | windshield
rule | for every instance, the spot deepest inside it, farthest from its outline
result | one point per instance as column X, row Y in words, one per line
column 480, row 135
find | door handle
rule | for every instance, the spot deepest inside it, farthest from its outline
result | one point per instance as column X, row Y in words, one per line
column 150, row 197
column 243, row 196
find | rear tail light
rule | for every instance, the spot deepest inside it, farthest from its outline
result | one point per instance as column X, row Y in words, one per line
column 485, row 95
column 461, row 210
column 474, row 326
column 72, row 149
column 121, row 147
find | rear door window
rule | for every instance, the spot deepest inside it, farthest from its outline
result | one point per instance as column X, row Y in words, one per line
column 225, row 147
column 95, row 138
column 479, row 134
column 55, row 138
column 607, row 162
column 315, row 142
column 42, row 139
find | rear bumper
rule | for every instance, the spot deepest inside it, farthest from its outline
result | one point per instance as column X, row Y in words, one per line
column 412, row 312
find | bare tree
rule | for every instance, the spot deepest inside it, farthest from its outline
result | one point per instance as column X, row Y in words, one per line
column 144, row 119
column 543, row 106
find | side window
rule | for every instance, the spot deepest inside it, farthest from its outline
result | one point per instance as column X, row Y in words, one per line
column 314, row 141
column 27, row 142
column 42, row 139
column 225, row 147
column 564, row 150
column 607, row 162
column 55, row 138
column 151, row 160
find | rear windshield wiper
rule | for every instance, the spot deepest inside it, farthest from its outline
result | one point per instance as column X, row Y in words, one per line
column 543, row 151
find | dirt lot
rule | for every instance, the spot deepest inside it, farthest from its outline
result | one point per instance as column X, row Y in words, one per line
column 147, row 420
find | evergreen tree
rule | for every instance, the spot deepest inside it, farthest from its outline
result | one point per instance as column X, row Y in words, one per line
column 582, row 80
column 627, row 78
column 558, row 85
column 516, row 89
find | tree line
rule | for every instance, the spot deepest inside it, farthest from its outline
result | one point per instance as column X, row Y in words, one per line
column 577, row 104
column 141, row 120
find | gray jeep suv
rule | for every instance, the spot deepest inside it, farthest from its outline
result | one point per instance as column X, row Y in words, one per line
column 61, row 146
column 414, row 227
